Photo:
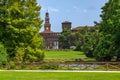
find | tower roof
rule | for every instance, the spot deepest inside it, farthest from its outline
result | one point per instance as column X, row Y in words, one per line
column 47, row 13
column 66, row 22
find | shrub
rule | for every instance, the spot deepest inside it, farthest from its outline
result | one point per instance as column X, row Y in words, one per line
column 19, row 54
column 39, row 54
column 11, row 65
column 28, row 54
column 3, row 54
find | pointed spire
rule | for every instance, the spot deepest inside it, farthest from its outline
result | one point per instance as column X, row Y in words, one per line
column 47, row 25
column 47, row 17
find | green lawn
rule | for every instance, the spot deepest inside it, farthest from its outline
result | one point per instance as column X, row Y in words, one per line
column 66, row 55
column 63, row 54
column 58, row 76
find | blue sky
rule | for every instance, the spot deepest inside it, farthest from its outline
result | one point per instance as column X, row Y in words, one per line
column 79, row 12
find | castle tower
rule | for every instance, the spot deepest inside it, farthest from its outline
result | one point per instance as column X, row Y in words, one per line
column 66, row 25
column 47, row 25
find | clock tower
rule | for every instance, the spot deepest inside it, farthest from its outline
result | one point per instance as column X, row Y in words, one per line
column 47, row 25
column 50, row 37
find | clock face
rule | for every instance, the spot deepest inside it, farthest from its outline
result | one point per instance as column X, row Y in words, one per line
column 47, row 28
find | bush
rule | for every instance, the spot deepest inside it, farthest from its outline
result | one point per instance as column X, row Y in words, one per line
column 11, row 65
column 104, row 49
column 32, row 55
column 3, row 54
column 39, row 54
column 19, row 54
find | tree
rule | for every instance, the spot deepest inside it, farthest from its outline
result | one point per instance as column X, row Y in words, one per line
column 103, row 43
column 104, row 49
column 83, row 36
column 90, row 42
column 80, row 38
column 64, row 39
column 19, row 25
column 110, row 26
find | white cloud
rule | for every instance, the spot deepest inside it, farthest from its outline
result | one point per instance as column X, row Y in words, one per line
column 75, row 7
column 53, row 9
column 50, row 9
column 80, row 10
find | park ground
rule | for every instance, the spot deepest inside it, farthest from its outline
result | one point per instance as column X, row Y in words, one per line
column 65, row 55
column 58, row 75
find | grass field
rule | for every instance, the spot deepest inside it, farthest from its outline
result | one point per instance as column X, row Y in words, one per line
column 58, row 76
column 69, row 55
column 63, row 54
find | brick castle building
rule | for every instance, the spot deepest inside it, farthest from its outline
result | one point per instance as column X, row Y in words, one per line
column 50, row 37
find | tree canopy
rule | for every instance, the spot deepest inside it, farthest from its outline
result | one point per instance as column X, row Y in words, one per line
column 110, row 27
column 20, row 23
column 104, row 43
column 64, row 39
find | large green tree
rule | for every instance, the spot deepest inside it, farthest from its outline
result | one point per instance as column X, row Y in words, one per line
column 110, row 28
column 64, row 39
column 82, row 37
column 19, row 29
column 90, row 42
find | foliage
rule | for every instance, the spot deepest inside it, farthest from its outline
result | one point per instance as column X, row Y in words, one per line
column 87, row 40
column 11, row 65
column 19, row 55
column 82, row 36
column 19, row 28
column 104, row 49
column 104, row 43
column 90, row 43
column 3, row 54
column 64, row 39
column 33, row 54
column 110, row 25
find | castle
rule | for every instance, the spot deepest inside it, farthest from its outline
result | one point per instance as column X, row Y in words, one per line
column 50, row 37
